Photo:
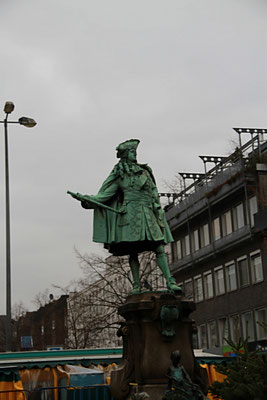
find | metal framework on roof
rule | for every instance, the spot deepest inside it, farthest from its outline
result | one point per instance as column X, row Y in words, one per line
column 252, row 147
column 252, row 131
column 213, row 159
column 191, row 175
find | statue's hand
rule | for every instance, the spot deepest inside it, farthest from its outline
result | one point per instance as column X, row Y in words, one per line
column 86, row 204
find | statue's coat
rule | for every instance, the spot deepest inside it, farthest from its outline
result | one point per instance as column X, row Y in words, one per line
column 142, row 224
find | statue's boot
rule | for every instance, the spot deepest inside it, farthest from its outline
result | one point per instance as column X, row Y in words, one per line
column 135, row 266
column 172, row 285
column 136, row 288
column 162, row 262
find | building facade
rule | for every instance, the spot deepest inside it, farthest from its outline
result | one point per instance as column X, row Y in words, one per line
column 44, row 328
column 93, row 318
column 219, row 253
column 3, row 322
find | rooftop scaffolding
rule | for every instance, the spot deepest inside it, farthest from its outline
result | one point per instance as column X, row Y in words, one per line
column 224, row 169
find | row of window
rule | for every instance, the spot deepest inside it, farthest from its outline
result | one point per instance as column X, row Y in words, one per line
column 221, row 226
column 235, row 274
column 250, row 324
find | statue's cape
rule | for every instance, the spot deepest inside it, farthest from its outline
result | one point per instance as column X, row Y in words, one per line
column 105, row 221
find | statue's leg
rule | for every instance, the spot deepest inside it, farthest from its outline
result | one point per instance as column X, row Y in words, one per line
column 135, row 266
column 162, row 262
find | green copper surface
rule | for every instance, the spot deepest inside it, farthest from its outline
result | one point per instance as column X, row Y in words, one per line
column 128, row 218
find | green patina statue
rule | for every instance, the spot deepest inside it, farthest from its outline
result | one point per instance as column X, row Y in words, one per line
column 128, row 217
column 180, row 385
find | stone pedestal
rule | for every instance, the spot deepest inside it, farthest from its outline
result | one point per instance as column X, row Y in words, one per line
column 156, row 323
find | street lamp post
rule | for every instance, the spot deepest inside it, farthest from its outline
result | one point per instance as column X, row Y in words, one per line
column 28, row 122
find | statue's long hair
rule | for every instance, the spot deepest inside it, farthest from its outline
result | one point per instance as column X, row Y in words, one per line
column 124, row 166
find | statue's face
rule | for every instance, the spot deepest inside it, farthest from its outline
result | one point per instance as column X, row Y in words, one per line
column 132, row 155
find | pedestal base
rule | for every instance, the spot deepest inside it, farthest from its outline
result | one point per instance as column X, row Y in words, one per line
column 156, row 324
column 155, row 392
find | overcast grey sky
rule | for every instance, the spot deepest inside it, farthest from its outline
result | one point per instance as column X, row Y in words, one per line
column 177, row 74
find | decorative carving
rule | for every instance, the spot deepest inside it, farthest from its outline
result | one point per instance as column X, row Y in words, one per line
column 168, row 314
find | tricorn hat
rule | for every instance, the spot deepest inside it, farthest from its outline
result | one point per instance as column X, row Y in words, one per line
column 127, row 145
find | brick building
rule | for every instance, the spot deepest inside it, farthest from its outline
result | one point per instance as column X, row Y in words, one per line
column 47, row 326
column 219, row 256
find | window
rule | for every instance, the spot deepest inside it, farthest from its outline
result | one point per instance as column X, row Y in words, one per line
column 230, row 275
column 208, row 285
column 235, row 327
column 53, row 328
column 261, row 319
column 223, row 331
column 42, row 329
column 187, row 245
column 212, row 334
column 168, row 250
column 216, row 228
column 219, row 281
column 226, row 223
column 202, row 336
column 179, row 249
column 198, row 286
column 253, row 208
column 242, row 265
column 195, row 240
column 248, row 326
column 238, row 217
column 188, row 289
column 176, row 250
column 204, row 235
column 256, row 267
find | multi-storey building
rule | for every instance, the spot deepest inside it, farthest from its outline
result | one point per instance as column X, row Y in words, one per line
column 93, row 318
column 219, row 253
column 44, row 328
column 92, row 312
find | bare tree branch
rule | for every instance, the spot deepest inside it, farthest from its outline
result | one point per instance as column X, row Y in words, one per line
column 94, row 299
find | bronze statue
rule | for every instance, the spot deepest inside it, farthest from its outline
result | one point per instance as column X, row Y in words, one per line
column 128, row 217
column 180, row 386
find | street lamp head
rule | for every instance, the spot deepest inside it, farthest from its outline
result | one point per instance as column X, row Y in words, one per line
column 9, row 107
column 28, row 122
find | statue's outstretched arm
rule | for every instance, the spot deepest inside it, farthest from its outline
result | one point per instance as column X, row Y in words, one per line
column 106, row 193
